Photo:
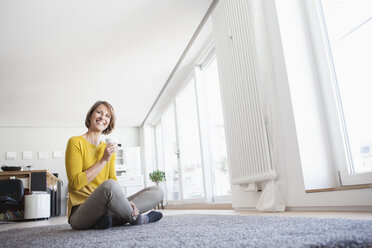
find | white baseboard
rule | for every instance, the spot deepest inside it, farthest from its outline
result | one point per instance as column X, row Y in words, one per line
column 317, row 209
column 332, row 208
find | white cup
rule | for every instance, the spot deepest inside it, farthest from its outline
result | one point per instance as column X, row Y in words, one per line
column 110, row 140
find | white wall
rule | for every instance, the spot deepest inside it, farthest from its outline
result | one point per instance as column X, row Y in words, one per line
column 49, row 139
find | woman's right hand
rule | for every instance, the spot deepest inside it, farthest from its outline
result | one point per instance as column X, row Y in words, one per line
column 109, row 150
column 135, row 209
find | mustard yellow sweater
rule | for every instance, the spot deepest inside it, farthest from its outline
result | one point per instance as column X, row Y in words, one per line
column 81, row 155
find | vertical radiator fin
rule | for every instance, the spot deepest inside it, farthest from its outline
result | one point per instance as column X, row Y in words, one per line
column 246, row 136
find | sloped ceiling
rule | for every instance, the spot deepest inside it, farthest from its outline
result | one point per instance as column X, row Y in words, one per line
column 58, row 57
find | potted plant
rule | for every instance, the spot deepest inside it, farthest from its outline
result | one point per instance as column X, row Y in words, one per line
column 157, row 176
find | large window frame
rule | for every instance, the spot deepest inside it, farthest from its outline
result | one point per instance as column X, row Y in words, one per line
column 209, row 58
column 193, row 77
column 189, row 79
column 327, row 77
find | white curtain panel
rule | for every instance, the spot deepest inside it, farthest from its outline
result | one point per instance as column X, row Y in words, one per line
column 270, row 199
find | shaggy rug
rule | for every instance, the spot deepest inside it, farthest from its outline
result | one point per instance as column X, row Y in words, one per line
column 196, row 230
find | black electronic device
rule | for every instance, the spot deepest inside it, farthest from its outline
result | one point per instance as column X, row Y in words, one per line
column 11, row 168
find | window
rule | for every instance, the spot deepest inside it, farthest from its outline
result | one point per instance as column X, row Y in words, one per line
column 159, row 146
column 178, row 148
column 210, row 97
column 190, row 141
column 168, row 133
column 347, row 28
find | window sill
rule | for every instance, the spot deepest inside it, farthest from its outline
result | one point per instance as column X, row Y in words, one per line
column 349, row 187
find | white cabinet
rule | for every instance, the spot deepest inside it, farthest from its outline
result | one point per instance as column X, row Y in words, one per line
column 128, row 161
column 128, row 169
column 131, row 184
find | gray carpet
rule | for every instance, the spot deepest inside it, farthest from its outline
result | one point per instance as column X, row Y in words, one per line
column 203, row 231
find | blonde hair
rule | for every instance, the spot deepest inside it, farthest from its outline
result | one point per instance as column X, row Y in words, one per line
column 111, row 125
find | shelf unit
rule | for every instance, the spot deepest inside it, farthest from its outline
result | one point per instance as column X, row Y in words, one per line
column 121, row 162
column 128, row 169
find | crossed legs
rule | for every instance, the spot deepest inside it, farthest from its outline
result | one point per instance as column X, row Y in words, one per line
column 109, row 198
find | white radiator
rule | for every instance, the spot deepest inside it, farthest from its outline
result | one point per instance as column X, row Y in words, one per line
column 246, row 136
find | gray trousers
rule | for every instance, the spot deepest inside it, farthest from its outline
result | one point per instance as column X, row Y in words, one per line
column 109, row 199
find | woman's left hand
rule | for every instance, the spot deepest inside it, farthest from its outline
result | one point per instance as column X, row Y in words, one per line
column 135, row 209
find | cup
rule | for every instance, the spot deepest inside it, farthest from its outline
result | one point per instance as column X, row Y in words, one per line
column 111, row 140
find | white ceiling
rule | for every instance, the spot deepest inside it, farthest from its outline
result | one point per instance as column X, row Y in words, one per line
column 58, row 57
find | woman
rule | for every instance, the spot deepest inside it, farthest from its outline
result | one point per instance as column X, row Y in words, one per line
column 96, row 199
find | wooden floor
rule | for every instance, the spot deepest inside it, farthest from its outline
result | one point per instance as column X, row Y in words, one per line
column 63, row 219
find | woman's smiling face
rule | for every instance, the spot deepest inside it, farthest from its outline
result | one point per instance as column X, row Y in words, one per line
column 100, row 118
